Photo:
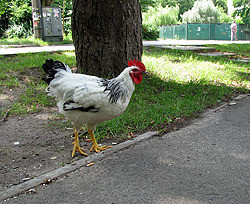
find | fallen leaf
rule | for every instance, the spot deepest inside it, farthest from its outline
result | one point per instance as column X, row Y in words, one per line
column 90, row 164
column 132, row 135
column 47, row 181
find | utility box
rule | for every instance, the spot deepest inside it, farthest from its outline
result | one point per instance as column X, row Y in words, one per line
column 52, row 24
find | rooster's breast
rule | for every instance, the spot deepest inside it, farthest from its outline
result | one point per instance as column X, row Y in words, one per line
column 95, row 115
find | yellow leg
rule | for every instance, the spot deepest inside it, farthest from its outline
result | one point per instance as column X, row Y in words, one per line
column 95, row 145
column 76, row 145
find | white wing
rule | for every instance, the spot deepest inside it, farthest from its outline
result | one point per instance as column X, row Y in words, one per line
column 78, row 90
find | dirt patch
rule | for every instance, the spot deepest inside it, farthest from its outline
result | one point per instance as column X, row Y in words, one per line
column 32, row 145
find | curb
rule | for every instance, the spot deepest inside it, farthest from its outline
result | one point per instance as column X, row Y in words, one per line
column 14, row 190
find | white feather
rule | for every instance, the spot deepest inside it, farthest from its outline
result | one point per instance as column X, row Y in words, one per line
column 87, row 91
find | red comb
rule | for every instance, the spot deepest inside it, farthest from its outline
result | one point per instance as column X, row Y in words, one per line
column 137, row 64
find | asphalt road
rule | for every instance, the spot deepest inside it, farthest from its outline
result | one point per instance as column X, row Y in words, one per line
column 205, row 162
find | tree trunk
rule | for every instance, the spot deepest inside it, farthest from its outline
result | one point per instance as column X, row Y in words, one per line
column 106, row 35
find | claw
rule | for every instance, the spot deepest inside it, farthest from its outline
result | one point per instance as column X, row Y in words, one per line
column 77, row 146
column 78, row 149
column 95, row 145
column 98, row 149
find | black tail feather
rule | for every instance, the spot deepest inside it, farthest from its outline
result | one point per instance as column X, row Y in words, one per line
column 51, row 67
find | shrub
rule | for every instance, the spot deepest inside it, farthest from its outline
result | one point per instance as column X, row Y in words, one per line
column 150, row 33
column 203, row 11
column 19, row 31
column 158, row 16
column 224, row 18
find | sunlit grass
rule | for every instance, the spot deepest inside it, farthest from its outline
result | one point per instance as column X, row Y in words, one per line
column 241, row 49
column 183, row 67
column 33, row 42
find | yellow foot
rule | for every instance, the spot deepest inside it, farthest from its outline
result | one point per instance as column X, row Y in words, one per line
column 78, row 149
column 95, row 145
column 98, row 149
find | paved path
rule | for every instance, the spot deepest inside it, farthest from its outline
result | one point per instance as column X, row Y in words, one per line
column 206, row 162
column 12, row 51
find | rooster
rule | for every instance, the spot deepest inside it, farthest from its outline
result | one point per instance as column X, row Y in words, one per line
column 90, row 100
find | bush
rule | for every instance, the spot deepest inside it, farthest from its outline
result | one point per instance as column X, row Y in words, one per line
column 67, row 26
column 150, row 33
column 19, row 31
column 158, row 16
column 203, row 11
column 224, row 18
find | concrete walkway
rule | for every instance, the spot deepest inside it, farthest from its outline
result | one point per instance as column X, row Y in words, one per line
column 206, row 162
column 13, row 51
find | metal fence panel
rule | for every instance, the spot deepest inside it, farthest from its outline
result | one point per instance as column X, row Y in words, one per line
column 248, row 32
column 170, row 32
column 199, row 31
column 161, row 35
column 223, row 31
column 180, row 32
column 242, row 32
column 212, row 31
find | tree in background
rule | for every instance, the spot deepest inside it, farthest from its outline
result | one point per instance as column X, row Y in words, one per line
column 182, row 4
column 16, row 18
column 242, row 10
column 224, row 18
column 147, row 3
column 106, row 35
column 221, row 4
column 203, row 11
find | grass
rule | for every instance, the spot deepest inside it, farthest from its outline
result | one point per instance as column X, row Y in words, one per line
column 34, row 42
column 22, row 74
column 243, row 50
column 179, row 85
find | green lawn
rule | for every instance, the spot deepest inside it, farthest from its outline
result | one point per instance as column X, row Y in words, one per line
column 179, row 85
column 33, row 42
column 241, row 49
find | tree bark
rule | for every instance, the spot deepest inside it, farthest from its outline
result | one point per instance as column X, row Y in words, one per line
column 106, row 35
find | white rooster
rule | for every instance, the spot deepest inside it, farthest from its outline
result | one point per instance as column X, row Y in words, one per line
column 89, row 100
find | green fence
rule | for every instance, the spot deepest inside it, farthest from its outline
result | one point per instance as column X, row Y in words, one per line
column 200, row 31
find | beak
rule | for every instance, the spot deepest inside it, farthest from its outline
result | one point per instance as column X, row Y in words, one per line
column 144, row 73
